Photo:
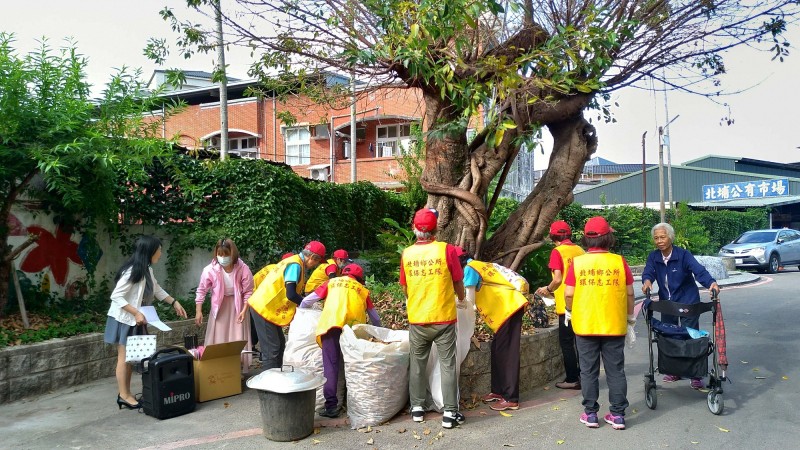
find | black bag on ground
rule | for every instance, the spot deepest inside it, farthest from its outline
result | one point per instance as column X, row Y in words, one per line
column 168, row 383
column 683, row 357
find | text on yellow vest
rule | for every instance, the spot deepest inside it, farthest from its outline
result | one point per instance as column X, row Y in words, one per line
column 497, row 299
column 345, row 304
column 431, row 296
column 600, row 303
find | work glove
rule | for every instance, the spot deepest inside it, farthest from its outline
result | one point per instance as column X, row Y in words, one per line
column 631, row 319
column 461, row 304
column 630, row 336
column 567, row 317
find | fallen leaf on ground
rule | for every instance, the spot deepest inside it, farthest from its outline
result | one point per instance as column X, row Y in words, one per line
column 370, row 441
column 756, row 369
column 505, row 414
column 317, row 430
column 761, row 378
column 555, row 408
column 509, row 445
column 226, row 404
column 426, row 431
column 724, row 430
column 560, row 441
column 546, row 388
column 316, row 441
column 745, row 362
column 483, row 413
column 402, row 430
column 634, row 410
column 695, row 442
column 784, row 377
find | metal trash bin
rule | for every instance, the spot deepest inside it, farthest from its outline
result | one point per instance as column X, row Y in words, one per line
column 288, row 398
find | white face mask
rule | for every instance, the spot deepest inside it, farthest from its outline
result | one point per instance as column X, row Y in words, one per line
column 224, row 260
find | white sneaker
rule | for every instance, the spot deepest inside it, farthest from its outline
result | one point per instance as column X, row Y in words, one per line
column 417, row 414
column 451, row 419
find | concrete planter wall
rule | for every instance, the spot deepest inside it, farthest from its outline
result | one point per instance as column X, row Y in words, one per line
column 31, row 370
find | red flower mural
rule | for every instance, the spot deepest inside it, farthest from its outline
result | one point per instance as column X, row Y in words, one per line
column 51, row 251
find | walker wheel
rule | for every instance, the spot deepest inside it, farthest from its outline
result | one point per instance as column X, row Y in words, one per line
column 715, row 402
column 650, row 396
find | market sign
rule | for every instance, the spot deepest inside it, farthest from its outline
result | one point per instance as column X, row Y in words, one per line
column 746, row 189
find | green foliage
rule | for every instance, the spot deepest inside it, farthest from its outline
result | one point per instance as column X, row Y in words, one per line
column 411, row 160
column 502, row 209
column 723, row 226
column 264, row 207
column 690, row 232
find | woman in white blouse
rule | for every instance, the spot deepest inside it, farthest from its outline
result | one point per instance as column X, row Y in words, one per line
column 135, row 286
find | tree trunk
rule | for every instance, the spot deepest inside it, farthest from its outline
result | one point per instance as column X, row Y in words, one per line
column 574, row 141
column 5, row 270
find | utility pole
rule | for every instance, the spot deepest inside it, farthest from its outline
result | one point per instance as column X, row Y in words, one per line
column 644, row 173
column 353, row 136
column 223, row 86
column 661, row 170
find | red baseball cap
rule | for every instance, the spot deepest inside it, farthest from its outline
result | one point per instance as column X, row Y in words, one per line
column 460, row 251
column 425, row 219
column 596, row 227
column 560, row 228
column 354, row 270
column 341, row 254
column 287, row 255
column 317, row 248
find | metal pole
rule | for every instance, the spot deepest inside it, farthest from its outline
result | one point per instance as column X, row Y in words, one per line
column 661, row 171
column 223, row 87
column 644, row 173
column 353, row 137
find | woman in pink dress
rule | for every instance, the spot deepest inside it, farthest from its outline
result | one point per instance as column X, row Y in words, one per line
column 231, row 284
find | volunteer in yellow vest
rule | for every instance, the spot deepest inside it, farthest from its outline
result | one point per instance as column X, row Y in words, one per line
column 501, row 305
column 599, row 303
column 257, row 279
column 560, row 260
column 431, row 277
column 274, row 301
column 325, row 271
column 347, row 302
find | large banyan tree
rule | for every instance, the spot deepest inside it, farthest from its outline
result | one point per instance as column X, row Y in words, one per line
column 524, row 66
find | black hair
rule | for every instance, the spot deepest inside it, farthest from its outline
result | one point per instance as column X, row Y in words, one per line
column 605, row 241
column 139, row 262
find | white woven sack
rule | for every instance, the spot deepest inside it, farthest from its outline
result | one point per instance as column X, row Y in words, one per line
column 303, row 352
column 514, row 279
column 376, row 373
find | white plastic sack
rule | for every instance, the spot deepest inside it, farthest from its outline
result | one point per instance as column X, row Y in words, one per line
column 465, row 329
column 376, row 373
column 303, row 352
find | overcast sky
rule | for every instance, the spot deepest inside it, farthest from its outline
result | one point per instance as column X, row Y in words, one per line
column 112, row 34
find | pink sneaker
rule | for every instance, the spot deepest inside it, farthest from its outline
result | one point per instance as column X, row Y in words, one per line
column 590, row 420
column 670, row 378
column 616, row 422
column 697, row 383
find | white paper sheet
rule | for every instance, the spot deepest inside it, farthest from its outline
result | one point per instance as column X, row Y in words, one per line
column 152, row 318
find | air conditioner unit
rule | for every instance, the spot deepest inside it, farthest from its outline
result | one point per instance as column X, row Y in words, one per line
column 319, row 174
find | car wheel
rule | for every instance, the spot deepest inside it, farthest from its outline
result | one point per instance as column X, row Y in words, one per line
column 774, row 263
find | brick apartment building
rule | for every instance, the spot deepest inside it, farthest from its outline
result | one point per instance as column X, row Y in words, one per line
column 317, row 145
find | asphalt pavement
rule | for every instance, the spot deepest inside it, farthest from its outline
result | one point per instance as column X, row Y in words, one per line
column 85, row 417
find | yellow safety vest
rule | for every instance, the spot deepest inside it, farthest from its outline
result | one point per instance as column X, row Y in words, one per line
column 261, row 274
column 497, row 299
column 600, row 304
column 346, row 304
column 318, row 276
column 431, row 296
column 269, row 299
column 568, row 253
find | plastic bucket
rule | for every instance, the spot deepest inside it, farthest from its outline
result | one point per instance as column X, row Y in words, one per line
column 287, row 417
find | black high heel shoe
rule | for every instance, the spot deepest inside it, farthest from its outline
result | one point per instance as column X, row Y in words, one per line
column 122, row 403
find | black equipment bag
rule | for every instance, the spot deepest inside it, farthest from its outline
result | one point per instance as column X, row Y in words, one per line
column 683, row 357
column 168, row 383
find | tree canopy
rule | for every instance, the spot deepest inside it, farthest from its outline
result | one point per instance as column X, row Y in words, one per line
column 521, row 65
column 61, row 147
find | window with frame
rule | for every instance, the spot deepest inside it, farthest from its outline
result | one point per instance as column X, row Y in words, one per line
column 393, row 139
column 298, row 146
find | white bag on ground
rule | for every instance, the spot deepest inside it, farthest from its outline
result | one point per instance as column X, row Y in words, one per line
column 376, row 373
column 303, row 352
column 465, row 329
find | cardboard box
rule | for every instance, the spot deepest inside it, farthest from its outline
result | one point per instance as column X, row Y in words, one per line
column 218, row 373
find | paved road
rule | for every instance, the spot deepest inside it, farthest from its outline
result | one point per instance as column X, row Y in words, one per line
column 763, row 341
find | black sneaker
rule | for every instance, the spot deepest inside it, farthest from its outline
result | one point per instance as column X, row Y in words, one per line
column 330, row 412
column 417, row 414
column 451, row 419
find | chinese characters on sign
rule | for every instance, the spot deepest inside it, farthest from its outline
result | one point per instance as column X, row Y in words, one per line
column 746, row 189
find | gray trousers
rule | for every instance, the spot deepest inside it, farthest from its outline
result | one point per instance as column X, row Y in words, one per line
column 421, row 337
column 271, row 342
column 612, row 350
